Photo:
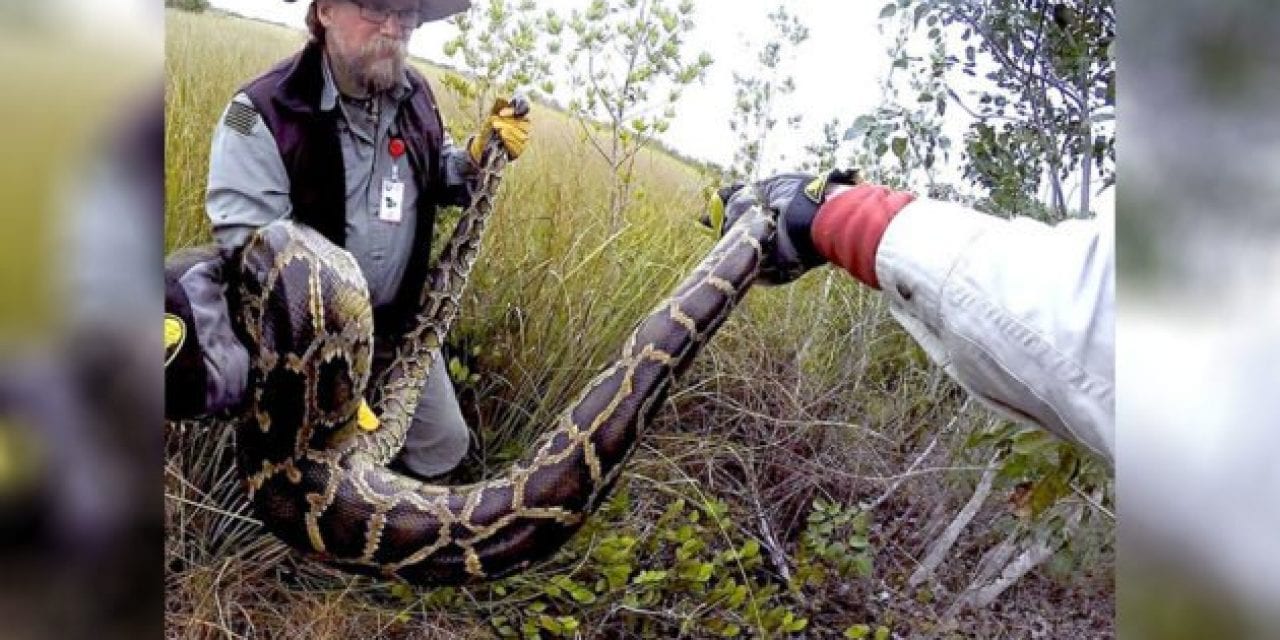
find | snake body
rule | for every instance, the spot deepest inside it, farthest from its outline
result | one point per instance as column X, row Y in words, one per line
column 321, row 484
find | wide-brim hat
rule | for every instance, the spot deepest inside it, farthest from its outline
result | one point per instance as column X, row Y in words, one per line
column 438, row 9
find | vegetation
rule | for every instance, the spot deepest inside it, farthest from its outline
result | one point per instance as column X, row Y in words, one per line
column 197, row 6
column 506, row 46
column 757, row 88
column 789, row 487
column 1037, row 80
column 629, row 64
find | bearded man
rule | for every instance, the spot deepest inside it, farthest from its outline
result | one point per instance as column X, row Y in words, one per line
column 346, row 137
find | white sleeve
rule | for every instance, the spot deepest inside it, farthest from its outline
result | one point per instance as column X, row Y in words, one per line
column 1020, row 313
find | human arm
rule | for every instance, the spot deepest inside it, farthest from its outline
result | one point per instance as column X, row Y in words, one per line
column 1018, row 312
column 248, row 186
column 206, row 366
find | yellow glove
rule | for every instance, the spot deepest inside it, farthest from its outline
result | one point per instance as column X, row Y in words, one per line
column 508, row 119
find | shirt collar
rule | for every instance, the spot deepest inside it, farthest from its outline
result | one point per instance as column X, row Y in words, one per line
column 329, row 92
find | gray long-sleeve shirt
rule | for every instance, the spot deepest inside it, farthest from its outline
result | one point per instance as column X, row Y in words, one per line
column 249, row 186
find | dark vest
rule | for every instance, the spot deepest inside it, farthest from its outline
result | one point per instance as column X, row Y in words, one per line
column 288, row 98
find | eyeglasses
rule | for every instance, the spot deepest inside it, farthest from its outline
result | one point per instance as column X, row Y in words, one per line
column 408, row 19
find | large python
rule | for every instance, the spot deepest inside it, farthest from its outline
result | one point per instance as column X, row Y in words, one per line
column 320, row 482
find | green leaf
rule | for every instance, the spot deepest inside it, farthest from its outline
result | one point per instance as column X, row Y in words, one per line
column 1032, row 442
column 402, row 592
column 857, row 631
column 649, row 577
column 582, row 595
column 862, row 565
column 859, row 127
column 882, row 633
column 617, row 575
column 795, row 626
column 568, row 623
column 550, row 624
column 900, row 148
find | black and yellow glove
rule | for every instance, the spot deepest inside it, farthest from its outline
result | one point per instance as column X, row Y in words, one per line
column 509, row 122
column 794, row 198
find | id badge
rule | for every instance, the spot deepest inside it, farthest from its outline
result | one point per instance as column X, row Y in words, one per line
column 392, row 200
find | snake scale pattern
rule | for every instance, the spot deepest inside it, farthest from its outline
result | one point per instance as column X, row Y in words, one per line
column 321, row 484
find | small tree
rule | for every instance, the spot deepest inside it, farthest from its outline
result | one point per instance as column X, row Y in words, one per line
column 503, row 46
column 1038, row 79
column 629, row 65
column 821, row 156
column 756, row 93
column 906, row 130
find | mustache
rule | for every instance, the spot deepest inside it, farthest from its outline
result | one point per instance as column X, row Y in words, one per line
column 381, row 46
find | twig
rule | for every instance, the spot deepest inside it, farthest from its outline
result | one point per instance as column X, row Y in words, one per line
column 776, row 554
column 919, row 459
column 220, row 512
column 942, row 546
column 1096, row 504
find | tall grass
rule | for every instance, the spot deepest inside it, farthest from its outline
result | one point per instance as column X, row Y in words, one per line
column 808, row 392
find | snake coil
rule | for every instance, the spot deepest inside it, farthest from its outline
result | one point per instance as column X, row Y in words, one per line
column 321, row 484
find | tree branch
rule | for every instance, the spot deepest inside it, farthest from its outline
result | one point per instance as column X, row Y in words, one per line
column 1003, row 58
column 942, row 546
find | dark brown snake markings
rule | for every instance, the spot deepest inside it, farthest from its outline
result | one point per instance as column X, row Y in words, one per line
column 321, row 484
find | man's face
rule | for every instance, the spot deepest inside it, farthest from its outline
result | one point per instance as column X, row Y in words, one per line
column 371, row 52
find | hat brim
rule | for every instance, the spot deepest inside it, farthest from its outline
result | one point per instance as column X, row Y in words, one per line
column 433, row 10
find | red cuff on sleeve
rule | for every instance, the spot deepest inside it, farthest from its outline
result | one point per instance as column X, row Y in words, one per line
column 848, row 228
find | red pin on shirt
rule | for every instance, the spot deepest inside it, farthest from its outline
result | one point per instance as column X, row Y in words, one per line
column 396, row 147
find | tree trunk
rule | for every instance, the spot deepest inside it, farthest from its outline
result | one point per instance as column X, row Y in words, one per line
column 996, row 558
column 941, row 547
column 983, row 596
column 980, row 596
column 1086, row 168
column 1086, row 162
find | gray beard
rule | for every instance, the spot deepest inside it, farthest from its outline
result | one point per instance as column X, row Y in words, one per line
column 378, row 76
column 382, row 75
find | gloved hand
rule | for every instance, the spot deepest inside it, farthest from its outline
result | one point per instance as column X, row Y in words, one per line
column 206, row 368
column 795, row 198
column 509, row 120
